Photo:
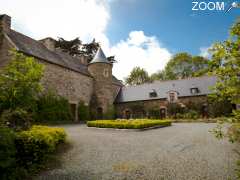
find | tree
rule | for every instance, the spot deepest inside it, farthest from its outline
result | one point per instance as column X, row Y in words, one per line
column 137, row 76
column 225, row 65
column 72, row 47
column 20, row 82
column 160, row 75
column 76, row 47
column 184, row 65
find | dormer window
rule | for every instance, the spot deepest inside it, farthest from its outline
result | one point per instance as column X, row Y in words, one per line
column 153, row 94
column 172, row 96
column 194, row 90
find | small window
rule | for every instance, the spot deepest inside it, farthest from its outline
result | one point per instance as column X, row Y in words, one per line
column 105, row 73
column 153, row 94
column 194, row 90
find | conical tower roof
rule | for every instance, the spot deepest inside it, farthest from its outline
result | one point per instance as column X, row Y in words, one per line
column 100, row 57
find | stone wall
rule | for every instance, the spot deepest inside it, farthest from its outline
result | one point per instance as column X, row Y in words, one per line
column 5, row 54
column 70, row 84
column 135, row 107
column 103, row 87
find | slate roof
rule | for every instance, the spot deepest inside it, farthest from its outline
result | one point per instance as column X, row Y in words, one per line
column 141, row 92
column 100, row 57
column 116, row 81
column 35, row 48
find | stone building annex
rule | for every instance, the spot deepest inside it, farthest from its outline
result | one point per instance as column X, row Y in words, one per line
column 77, row 80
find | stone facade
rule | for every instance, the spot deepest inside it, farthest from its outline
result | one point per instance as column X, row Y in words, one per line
column 103, row 87
column 71, row 77
column 78, row 80
column 141, row 109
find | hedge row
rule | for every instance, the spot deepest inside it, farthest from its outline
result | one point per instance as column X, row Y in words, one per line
column 128, row 124
column 26, row 151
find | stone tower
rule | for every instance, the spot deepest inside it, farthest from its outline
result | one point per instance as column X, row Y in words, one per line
column 101, row 70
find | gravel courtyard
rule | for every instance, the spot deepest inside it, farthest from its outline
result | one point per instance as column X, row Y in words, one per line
column 184, row 151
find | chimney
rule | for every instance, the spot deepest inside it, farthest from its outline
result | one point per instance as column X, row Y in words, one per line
column 49, row 43
column 5, row 22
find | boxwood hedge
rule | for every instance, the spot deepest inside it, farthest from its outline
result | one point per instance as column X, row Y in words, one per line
column 128, row 124
column 35, row 144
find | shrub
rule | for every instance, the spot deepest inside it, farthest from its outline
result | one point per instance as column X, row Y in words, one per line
column 128, row 124
column 20, row 82
column 174, row 109
column 154, row 113
column 83, row 112
column 34, row 145
column 191, row 114
column 17, row 119
column 7, row 153
column 110, row 114
column 52, row 107
column 219, row 108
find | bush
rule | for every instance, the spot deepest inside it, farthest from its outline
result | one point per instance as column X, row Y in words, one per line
column 191, row 114
column 7, row 153
column 17, row 119
column 154, row 113
column 111, row 113
column 219, row 108
column 128, row 124
column 83, row 112
column 34, row 145
column 20, row 82
column 174, row 109
column 52, row 108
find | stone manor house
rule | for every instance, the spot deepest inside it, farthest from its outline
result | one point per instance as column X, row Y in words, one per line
column 77, row 80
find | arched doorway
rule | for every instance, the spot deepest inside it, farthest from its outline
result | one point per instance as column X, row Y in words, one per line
column 163, row 112
column 127, row 114
column 99, row 113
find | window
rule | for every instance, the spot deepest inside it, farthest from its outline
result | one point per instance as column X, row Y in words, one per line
column 194, row 90
column 153, row 94
column 172, row 97
column 105, row 73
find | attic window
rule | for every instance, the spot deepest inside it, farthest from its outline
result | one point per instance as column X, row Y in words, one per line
column 153, row 93
column 194, row 90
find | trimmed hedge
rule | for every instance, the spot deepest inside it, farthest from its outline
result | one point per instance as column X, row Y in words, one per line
column 25, row 153
column 34, row 145
column 128, row 124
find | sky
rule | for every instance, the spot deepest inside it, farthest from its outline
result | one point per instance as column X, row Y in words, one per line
column 145, row 33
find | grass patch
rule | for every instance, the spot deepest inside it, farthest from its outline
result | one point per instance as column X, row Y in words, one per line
column 128, row 124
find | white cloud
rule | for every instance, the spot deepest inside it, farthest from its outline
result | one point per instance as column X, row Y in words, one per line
column 139, row 50
column 86, row 19
column 204, row 52
column 59, row 18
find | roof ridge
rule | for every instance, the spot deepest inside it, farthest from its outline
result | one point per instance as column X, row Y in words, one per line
column 165, row 81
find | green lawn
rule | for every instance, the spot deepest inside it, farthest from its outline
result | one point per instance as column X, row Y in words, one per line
column 128, row 124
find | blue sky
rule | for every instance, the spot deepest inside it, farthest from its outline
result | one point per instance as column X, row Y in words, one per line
column 172, row 21
column 145, row 33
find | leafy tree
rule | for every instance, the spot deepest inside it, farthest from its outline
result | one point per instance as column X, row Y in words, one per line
column 72, row 47
column 160, row 75
column 76, row 47
column 137, row 76
column 52, row 108
column 20, row 82
column 225, row 65
column 183, row 65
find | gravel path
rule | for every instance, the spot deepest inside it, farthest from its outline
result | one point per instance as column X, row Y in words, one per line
column 184, row 151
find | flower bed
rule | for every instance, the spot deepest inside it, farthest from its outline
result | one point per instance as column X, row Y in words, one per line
column 128, row 124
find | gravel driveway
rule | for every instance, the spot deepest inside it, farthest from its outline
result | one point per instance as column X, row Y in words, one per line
column 184, row 151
